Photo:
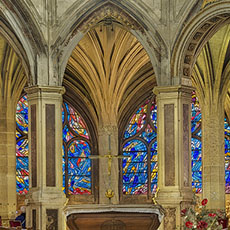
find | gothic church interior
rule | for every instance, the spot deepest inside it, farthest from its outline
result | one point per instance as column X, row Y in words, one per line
column 113, row 111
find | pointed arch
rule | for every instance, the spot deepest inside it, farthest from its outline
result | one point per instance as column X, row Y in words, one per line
column 22, row 31
column 130, row 17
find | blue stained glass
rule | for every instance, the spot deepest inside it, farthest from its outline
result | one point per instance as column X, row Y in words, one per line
column 22, row 162
column 18, row 135
column 79, row 166
column 22, row 147
column 149, row 134
column 22, row 172
column 154, row 167
column 63, row 183
column 76, row 122
column 196, row 145
column 79, row 148
column 134, row 145
column 137, row 122
column 135, row 184
column 153, row 114
column 22, row 184
column 22, row 166
column 227, row 156
column 79, row 184
column 66, row 134
column 136, row 168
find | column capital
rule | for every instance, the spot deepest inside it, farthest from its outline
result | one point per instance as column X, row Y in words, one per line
column 45, row 89
column 172, row 89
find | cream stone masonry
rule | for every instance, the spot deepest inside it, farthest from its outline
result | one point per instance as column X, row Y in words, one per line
column 45, row 194
column 7, row 162
column 108, row 144
column 173, row 136
column 213, row 155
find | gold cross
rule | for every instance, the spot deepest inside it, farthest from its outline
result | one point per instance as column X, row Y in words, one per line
column 110, row 157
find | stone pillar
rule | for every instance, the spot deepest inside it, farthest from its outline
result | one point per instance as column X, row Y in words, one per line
column 213, row 154
column 45, row 199
column 174, row 151
column 108, row 144
column 7, row 160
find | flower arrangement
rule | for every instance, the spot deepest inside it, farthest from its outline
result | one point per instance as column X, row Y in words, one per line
column 198, row 217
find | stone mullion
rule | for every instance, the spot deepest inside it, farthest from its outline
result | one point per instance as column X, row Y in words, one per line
column 173, row 135
column 213, row 162
column 45, row 157
column 105, row 181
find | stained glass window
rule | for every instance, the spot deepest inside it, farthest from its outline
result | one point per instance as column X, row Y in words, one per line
column 76, row 150
column 140, row 167
column 227, row 155
column 196, row 145
column 22, row 167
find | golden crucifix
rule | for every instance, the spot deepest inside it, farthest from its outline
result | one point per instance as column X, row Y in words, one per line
column 110, row 157
column 109, row 193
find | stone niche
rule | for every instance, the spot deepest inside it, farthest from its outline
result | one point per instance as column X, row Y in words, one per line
column 101, row 217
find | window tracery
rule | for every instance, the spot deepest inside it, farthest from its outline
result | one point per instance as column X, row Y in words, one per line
column 140, row 168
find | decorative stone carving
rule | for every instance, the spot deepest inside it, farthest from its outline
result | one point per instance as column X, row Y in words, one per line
column 170, row 218
column 106, row 14
column 186, row 71
column 112, row 12
column 191, row 46
column 205, row 26
column 197, row 36
column 51, row 219
column 188, row 59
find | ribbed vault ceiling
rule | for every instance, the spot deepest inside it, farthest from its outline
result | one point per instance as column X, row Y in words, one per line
column 110, row 70
column 12, row 75
column 211, row 74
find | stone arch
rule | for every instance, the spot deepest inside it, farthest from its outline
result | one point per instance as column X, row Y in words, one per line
column 21, row 31
column 131, row 18
column 194, row 36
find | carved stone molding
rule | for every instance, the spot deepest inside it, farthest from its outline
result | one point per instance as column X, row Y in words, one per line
column 170, row 218
column 198, row 39
column 112, row 12
column 51, row 219
column 106, row 15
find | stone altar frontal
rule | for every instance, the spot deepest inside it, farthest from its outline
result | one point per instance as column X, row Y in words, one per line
column 114, row 217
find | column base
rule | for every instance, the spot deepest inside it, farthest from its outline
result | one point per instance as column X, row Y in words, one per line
column 173, row 201
column 46, row 212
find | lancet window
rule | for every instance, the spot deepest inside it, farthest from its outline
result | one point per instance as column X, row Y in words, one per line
column 139, row 147
column 196, row 145
column 197, row 148
column 22, row 166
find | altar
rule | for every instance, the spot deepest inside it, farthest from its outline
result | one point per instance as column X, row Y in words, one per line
column 114, row 217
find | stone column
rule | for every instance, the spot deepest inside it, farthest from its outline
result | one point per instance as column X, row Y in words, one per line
column 7, row 160
column 213, row 161
column 108, row 144
column 45, row 199
column 174, row 151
